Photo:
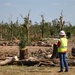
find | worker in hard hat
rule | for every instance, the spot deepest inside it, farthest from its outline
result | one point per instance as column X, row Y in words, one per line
column 62, row 50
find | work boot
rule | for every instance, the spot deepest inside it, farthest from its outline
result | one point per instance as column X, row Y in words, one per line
column 66, row 70
column 60, row 71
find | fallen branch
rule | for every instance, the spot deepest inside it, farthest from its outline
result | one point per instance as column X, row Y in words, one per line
column 8, row 60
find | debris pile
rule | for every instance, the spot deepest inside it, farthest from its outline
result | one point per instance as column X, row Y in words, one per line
column 47, row 57
column 42, row 43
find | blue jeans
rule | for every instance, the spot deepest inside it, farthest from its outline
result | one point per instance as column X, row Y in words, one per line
column 63, row 62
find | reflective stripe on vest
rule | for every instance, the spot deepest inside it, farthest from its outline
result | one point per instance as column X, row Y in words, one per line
column 63, row 46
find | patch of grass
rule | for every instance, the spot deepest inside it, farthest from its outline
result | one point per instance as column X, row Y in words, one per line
column 33, row 70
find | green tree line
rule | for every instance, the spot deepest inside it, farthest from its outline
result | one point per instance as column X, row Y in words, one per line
column 48, row 29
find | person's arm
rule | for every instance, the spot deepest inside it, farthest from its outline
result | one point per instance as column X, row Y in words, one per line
column 58, row 43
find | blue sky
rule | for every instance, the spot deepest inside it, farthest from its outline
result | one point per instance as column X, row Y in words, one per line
column 51, row 9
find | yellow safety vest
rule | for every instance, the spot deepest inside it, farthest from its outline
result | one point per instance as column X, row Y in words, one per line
column 63, row 46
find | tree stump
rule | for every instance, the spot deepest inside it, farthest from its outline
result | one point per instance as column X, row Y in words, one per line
column 73, row 51
column 23, row 54
column 55, row 51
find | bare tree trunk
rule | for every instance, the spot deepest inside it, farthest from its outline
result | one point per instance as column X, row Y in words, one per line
column 7, row 61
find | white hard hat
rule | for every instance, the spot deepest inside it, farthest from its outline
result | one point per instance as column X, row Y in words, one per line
column 62, row 32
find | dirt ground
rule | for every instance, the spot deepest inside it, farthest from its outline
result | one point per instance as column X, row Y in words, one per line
column 14, row 50
column 32, row 70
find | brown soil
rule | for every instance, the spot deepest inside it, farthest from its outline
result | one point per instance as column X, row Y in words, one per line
column 14, row 50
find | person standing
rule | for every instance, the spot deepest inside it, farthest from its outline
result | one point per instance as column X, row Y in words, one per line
column 62, row 50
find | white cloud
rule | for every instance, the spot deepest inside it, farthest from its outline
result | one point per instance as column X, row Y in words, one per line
column 56, row 4
column 74, row 7
column 7, row 4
